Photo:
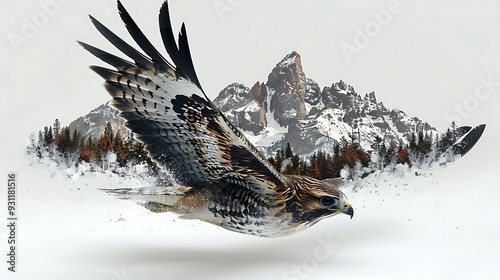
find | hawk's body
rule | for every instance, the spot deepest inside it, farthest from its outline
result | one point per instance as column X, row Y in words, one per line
column 226, row 180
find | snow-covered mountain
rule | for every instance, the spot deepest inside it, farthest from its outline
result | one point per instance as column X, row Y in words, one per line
column 94, row 122
column 289, row 107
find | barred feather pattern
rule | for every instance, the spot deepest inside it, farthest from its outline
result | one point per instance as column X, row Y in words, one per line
column 228, row 181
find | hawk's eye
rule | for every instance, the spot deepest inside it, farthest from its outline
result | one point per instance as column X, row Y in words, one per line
column 327, row 201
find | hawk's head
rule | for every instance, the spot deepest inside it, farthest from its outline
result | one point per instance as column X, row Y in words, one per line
column 318, row 199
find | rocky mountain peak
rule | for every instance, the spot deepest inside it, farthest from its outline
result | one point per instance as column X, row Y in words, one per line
column 259, row 92
column 232, row 96
column 244, row 107
column 371, row 97
column 287, row 84
column 94, row 122
column 290, row 107
column 290, row 60
column 341, row 85
column 287, row 72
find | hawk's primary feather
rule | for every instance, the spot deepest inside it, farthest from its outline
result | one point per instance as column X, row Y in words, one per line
column 166, row 109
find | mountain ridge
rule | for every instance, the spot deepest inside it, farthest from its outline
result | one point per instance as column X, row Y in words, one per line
column 291, row 107
column 298, row 110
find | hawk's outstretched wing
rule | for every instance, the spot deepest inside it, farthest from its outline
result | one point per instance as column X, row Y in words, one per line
column 166, row 109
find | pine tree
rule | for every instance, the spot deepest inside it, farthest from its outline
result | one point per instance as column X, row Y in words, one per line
column 336, row 150
column 108, row 131
column 105, row 143
column 382, row 155
column 314, row 170
column 288, row 157
column 63, row 141
column 337, row 165
column 425, row 145
column 379, row 149
column 295, row 161
column 57, row 127
column 279, row 160
column 453, row 132
column 350, row 156
column 353, row 140
column 121, row 150
column 363, row 157
column 48, row 138
column 288, row 151
column 314, row 157
column 403, row 157
column 329, row 169
column 419, row 147
column 377, row 143
column 39, row 144
column 390, row 155
column 323, row 165
column 76, row 138
column 304, row 168
column 435, row 147
column 104, row 146
column 40, row 138
column 413, row 143
column 31, row 147
column 446, row 140
column 86, row 152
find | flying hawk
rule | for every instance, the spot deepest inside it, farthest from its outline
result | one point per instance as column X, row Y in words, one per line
column 224, row 179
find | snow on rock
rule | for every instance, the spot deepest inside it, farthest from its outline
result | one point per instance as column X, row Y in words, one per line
column 94, row 122
column 291, row 107
column 296, row 107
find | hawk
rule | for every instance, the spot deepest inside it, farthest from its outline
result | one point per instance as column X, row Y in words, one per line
column 223, row 179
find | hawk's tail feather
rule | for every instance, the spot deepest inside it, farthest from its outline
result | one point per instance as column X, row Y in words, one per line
column 165, row 196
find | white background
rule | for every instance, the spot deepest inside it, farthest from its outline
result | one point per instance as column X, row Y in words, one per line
column 427, row 60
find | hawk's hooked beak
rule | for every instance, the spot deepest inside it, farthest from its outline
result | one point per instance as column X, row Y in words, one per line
column 348, row 209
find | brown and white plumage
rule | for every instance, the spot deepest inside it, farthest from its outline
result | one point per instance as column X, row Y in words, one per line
column 226, row 180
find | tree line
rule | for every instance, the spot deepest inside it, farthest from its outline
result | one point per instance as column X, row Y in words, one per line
column 110, row 148
column 350, row 157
